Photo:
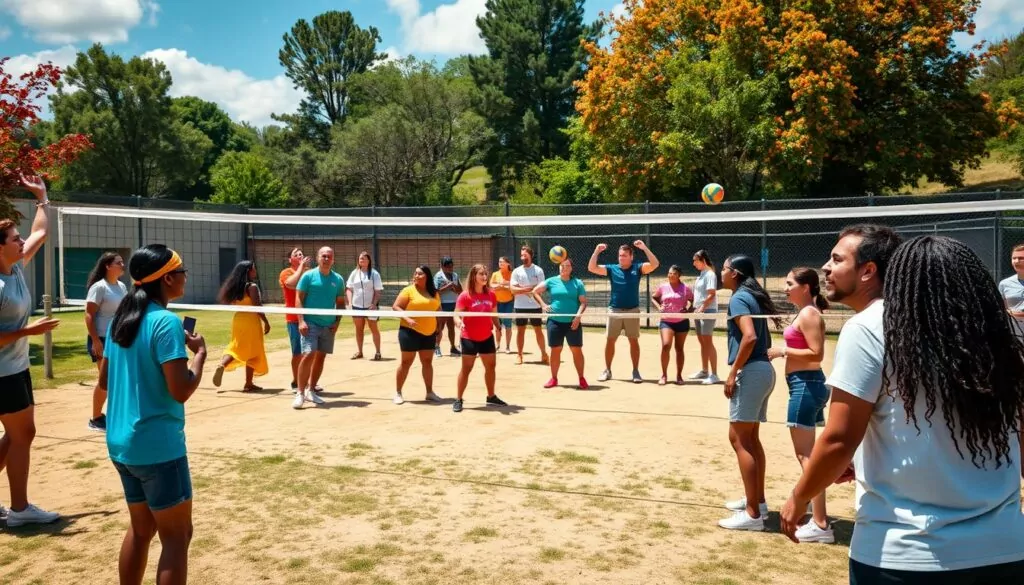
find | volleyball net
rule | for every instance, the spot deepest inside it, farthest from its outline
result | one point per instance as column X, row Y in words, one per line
column 776, row 239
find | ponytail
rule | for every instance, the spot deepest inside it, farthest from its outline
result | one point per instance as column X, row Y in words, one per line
column 144, row 263
column 743, row 266
column 809, row 276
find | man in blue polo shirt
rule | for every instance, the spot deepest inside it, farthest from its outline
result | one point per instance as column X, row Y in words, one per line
column 625, row 298
column 322, row 288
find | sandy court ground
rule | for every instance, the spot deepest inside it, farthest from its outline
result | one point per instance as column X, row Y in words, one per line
column 622, row 484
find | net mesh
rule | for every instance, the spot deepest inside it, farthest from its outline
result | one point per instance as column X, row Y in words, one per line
column 778, row 235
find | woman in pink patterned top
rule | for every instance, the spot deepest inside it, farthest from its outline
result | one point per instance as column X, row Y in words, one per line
column 673, row 297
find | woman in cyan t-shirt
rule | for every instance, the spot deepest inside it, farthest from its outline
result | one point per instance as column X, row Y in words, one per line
column 105, row 292
column 148, row 378
column 568, row 301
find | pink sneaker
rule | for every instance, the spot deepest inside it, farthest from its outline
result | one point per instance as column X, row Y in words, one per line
column 583, row 384
column 551, row 383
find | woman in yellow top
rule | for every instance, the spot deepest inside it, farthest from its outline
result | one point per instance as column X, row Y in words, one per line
column 416, row 334
column 502, row 288
column 247, row 329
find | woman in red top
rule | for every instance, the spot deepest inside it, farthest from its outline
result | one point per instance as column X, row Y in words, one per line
column 477, row 333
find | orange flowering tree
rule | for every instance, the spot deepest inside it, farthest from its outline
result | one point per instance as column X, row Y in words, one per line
column 823, row 97
column 20, row 151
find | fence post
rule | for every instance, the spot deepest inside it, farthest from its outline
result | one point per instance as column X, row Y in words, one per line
column 764, row 246
column 509, row 243
column 374, row 242
column 48, row 299
column 647, row 240
column 138, row 203
column 997, row 235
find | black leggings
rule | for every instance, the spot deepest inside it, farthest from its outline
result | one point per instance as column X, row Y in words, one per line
column 1004, row 574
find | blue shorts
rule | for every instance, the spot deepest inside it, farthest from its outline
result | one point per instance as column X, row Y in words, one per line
column 808, row 396
column 560, row 333
column 508, row 307
column 754, row 385
column 294, row 338
column 448, row 308
column 160, row 486
column 677, row 327
column 88, row 347
column 320, row 339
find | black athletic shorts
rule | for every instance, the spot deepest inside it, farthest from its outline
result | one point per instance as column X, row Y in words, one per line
column 485, row 347
column 534, row 321
column 411, row 340
column 16, row 393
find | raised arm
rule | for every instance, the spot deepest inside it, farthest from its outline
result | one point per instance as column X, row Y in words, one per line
column 40, row 224
column 652, row 263
column 593, row 266
column 293, row 280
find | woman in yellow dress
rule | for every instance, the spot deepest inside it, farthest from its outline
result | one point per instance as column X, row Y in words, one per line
column 247, row 331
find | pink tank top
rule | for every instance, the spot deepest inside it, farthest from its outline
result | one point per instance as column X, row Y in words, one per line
column 795, row 338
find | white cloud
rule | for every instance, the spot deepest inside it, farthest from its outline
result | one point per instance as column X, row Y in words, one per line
column 997, row 19
column 5, row 33
column 393, row 54
column 242, row 97
column 619, row 10
column 21, row 64
column 61, row 21
column 450, row 29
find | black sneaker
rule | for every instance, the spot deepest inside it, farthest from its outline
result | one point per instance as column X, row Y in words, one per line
column 98, row 424
column 457, row 406
column 456, row 353
column 495, row 401
column 295, row 386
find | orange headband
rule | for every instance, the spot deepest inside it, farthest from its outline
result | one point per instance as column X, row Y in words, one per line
column 173, row 264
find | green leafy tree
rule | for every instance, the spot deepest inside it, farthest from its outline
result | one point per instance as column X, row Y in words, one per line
column 245, row 178
column 225, row 135
column 527, row 80
column 141, row 148
column 320, row 58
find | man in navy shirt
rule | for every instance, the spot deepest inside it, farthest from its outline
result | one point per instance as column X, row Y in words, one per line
column 625, row 298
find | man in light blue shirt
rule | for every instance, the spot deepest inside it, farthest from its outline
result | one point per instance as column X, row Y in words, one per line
column 322, row 288
column 449, row 287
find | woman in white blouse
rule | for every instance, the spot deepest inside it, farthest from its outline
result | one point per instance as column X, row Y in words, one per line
column 363, row 290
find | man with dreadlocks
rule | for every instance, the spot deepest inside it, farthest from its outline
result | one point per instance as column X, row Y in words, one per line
column 938, row 497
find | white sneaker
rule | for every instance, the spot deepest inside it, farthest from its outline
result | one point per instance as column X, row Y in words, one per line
column 740, row 505
column 741, row 521
column 30, row 515
column 699, row 375
column 312, row 397
column 431, row 397
column 398, row 399
column 297, row 403
column 811, row 532
column 712, row 379
column 605, row 376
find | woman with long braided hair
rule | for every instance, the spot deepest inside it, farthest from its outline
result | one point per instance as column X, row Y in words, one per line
column 930, row 395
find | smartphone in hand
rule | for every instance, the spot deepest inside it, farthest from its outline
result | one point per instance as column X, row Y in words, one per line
column 190, row 324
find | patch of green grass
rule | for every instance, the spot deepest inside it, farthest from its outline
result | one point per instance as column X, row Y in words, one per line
column 85, row 465
column 660, row 529
column 585, row 469
column 549, row 554
column 564, row 457
column 480, row 534
column 296, row 563
column 682, row 484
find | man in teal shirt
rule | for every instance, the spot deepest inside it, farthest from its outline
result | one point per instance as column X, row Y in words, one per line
column 317, row 289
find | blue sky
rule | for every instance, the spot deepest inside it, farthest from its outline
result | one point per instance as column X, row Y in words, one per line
column 226, row 50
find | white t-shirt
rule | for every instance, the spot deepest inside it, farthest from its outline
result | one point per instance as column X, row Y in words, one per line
column 1012, row 290
column 920, row 506
column 363, row 287
column 107, row 296
column 526, row 278
column 706, row 282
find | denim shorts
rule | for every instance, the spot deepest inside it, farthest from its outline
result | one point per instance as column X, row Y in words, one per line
column 754, row 385
column 506, row 308
column 676, row 326
column 294, row 338
column 320, row 339
column 808, row 396
column 560, row 333
column 160, row 486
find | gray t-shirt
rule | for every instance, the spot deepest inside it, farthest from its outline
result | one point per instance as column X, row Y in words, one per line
column 1012, row 290
column 920, row 505
column 15, row 308
column 524, row 277
column 107, row 297
column 441, row 279
column 706, row 282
